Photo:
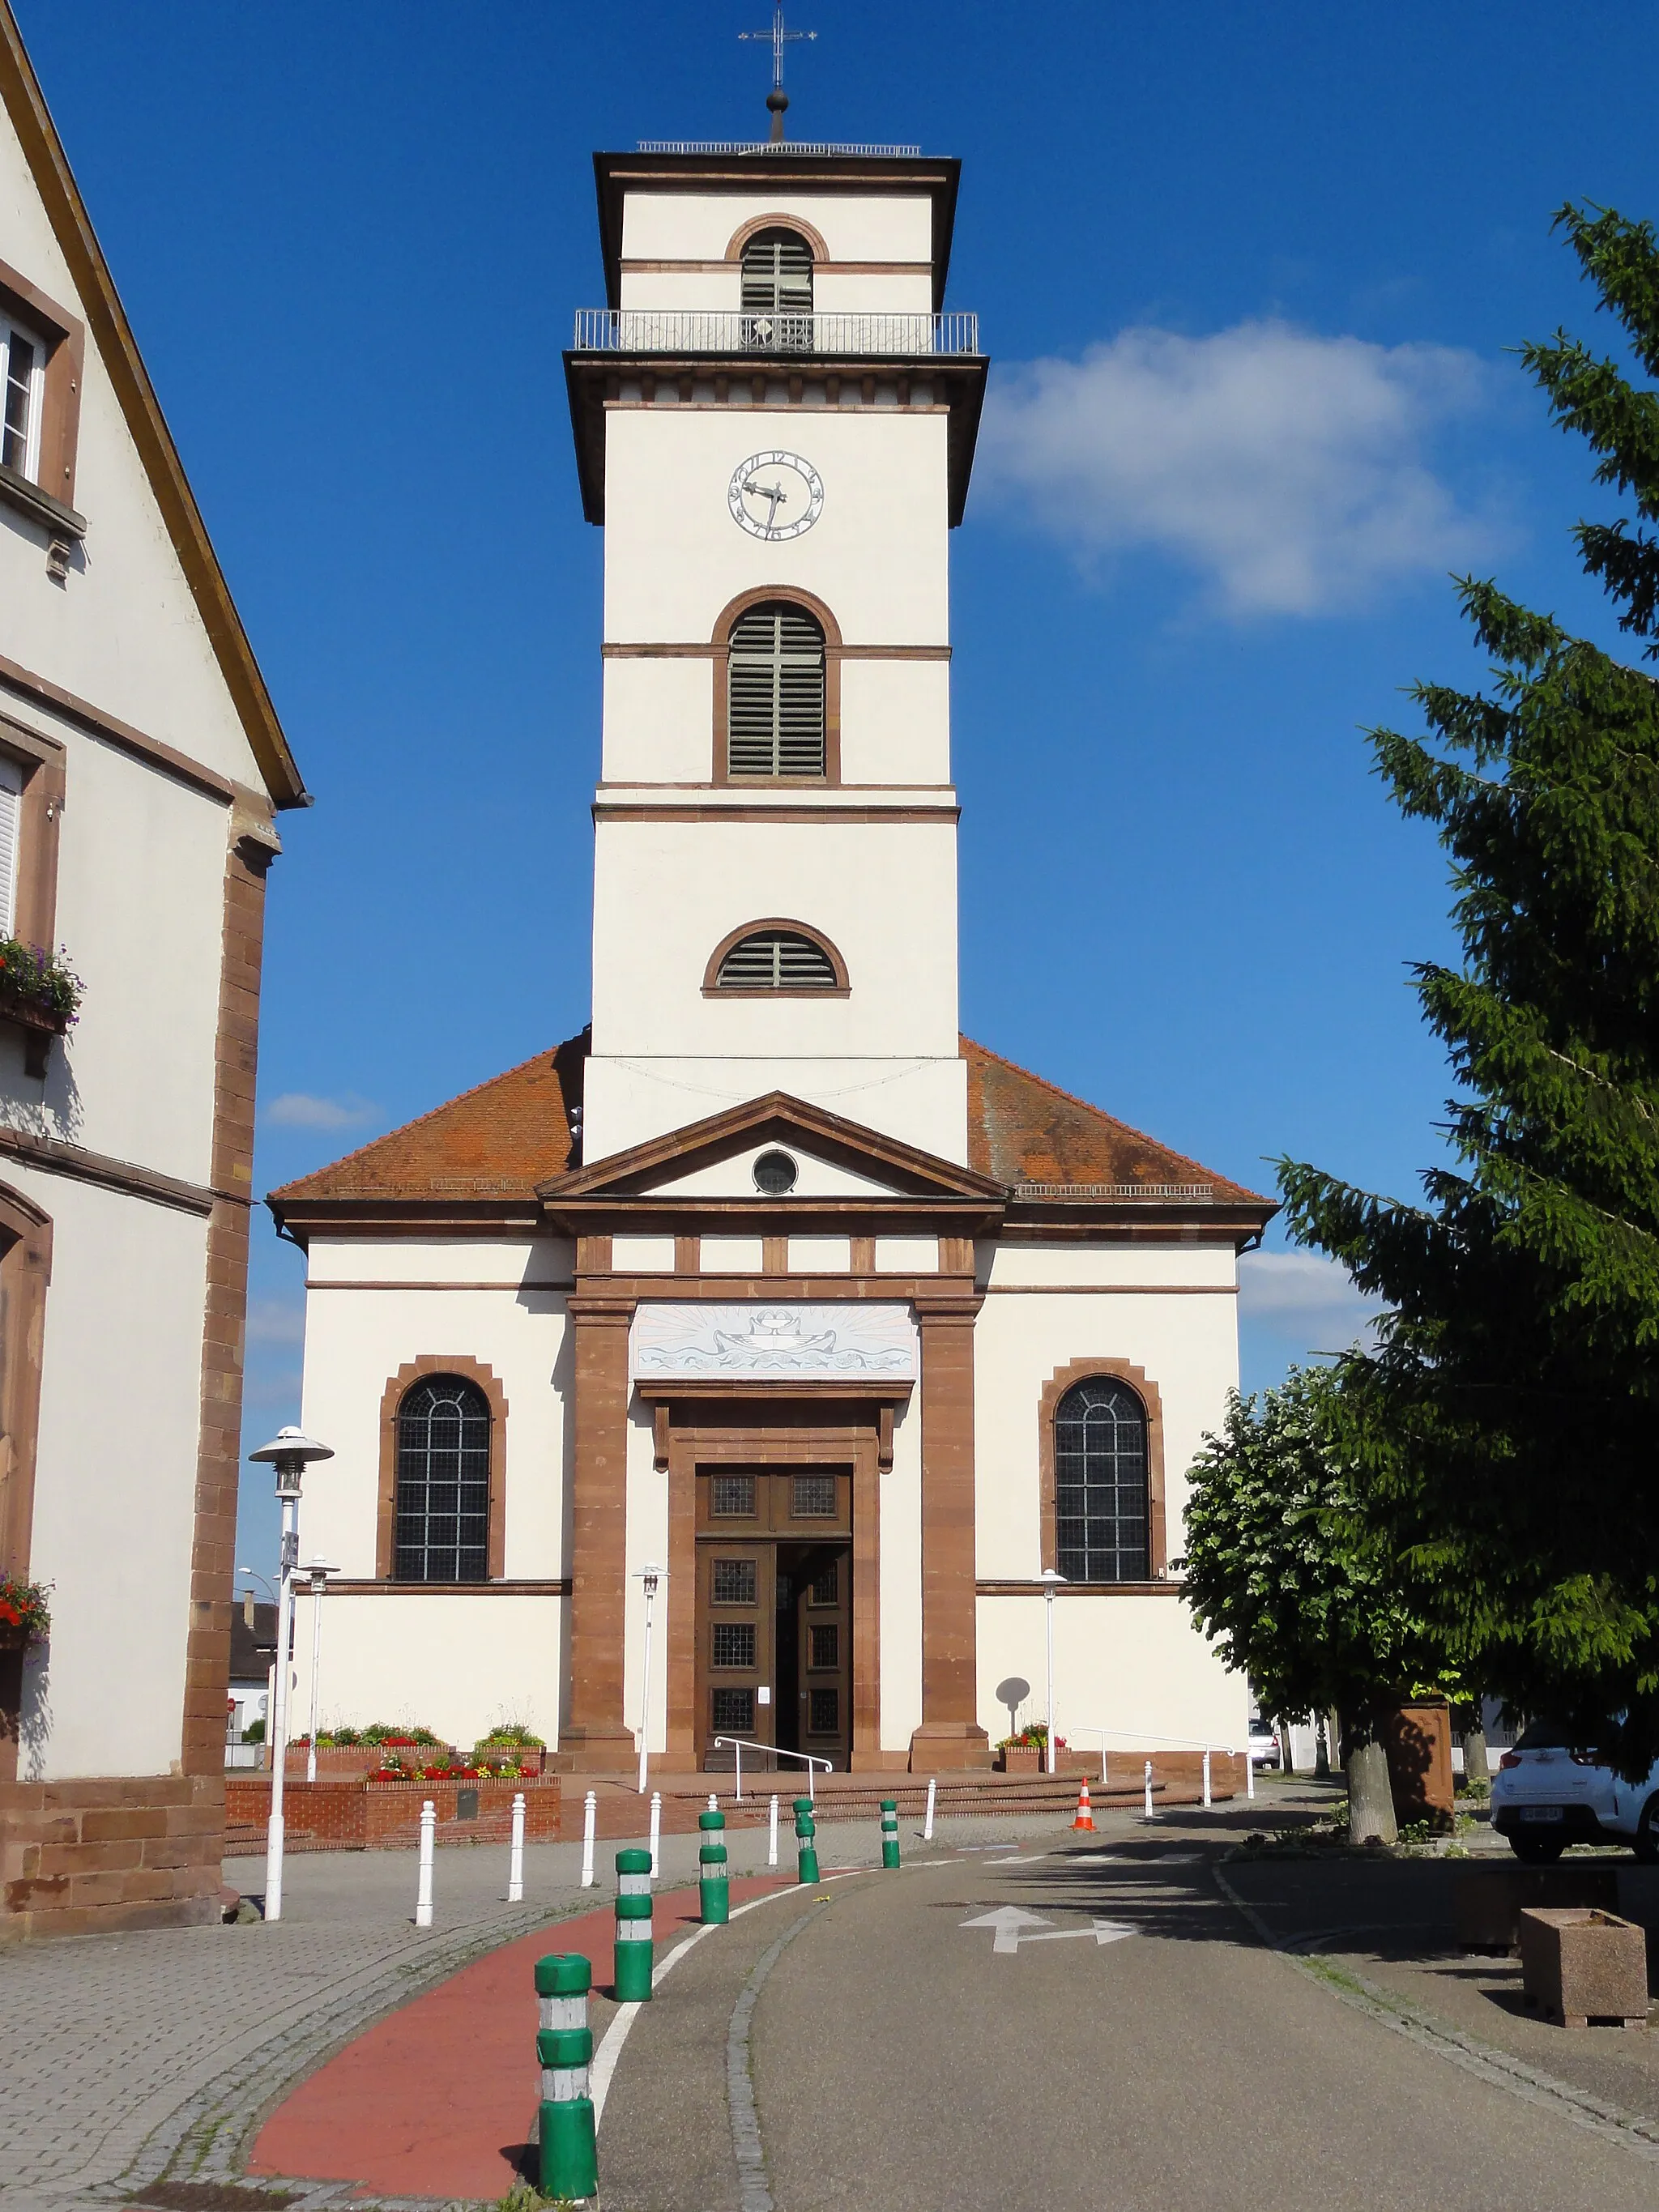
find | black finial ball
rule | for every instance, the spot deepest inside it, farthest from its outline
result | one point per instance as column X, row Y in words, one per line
column 777, row 100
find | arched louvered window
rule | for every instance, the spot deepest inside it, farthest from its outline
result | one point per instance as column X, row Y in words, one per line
column 1101, row 1503
column 777, row 290
column 441, row 1531
column 774, row 720
column 776, row 959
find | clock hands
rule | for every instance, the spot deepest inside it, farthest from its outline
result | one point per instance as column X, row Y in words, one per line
column 775, row 493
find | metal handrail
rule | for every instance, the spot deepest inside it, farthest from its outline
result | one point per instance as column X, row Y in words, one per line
column 738, row 1744
column 724, row 331
column 1175, row 1743
column 783, row 147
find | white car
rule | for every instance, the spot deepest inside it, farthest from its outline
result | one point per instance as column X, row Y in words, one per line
column 1264, row 1742
column 1548, row 1793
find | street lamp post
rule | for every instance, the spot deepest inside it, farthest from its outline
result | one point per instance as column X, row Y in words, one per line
column 650, row 1575
column 289, row 1453
column 316, row 1573
column 1051, row 1580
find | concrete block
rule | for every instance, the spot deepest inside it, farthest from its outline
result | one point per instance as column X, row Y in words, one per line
column 1579, row 1964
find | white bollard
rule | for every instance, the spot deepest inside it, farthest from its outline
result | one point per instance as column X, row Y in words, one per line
column 713, row 1802
column 515, row 1857
column 1250, row 1772
column 772, row 1834
column 1149, row 1789
column 1206, row 1775
column 927, row 1825
column 656, row 1832
column 424, row 1891
column 590, row 1821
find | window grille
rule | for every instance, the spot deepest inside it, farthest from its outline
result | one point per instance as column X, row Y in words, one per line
column 814, row 1497
column 23, row 378
column 733, row 1643
column 776, row 960
column 734, row 1582
column 734, row 1497
column 774, row 710
column 823, row 1712
column 825, row 1642
column 826, row 1585
column 733, row 1711
column 441, row 1517
column 777, row 290
column 1101, row 1509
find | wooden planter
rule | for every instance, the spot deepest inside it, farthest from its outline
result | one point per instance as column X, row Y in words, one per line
column 39, row 1025
column 1021, row 1758
column 1580, row 1964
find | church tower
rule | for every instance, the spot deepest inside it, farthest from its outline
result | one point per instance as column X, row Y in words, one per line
column 774, row 424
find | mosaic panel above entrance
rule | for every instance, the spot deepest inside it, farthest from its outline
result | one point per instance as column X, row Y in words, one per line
column 684, row 1342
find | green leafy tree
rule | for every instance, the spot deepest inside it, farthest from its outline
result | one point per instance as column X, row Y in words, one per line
column 1281, row 1570
column 1504, row 1427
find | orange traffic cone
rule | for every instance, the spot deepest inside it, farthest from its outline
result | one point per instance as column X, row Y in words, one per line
column 1085, row 1818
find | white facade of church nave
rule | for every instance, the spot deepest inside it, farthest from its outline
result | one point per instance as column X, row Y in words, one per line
column 682, row 860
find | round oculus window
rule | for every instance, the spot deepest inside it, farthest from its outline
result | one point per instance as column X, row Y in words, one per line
column 774, row 1173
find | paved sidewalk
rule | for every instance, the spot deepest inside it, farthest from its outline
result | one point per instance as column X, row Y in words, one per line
column 126, row 2057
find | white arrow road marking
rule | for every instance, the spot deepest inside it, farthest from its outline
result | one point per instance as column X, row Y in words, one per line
column 1032, row 1860
column 1013, row 1927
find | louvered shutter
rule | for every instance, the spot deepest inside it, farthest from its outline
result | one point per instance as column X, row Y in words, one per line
column 777, row 290
column 11, row 808
column 776, row 960
column 775, row 694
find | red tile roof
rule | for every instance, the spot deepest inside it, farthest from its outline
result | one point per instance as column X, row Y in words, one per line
column 514, row 1132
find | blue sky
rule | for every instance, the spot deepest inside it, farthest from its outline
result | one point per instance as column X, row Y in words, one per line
column 1249, row 278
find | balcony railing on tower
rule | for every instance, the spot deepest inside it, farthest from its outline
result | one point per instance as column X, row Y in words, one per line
column 679, row 330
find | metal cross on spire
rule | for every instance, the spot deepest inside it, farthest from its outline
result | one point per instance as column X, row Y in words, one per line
column 777, row 100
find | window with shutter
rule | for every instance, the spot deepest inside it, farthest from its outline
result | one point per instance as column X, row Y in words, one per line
column 777, row 290
column 11, row 810
column 776, row 960
column 774, row 717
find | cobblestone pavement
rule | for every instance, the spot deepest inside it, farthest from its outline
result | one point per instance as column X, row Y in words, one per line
column 126, row 2058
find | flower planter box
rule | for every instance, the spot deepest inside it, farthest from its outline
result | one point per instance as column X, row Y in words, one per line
column 1020, row 1759
column 344, row 1815
column 1578, row 1965
column 39, row 1025
column 1487, row 1901
column 530, row 1756
column 13, row 1636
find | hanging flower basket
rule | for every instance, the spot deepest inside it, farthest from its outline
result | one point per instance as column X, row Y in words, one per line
column 24, row 1616
column 41, row 994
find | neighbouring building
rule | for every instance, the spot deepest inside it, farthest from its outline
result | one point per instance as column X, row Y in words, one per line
column 141, row 761
column 769, row 1279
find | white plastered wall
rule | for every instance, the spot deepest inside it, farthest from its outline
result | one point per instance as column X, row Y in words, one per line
column 877, row 557
column 1132, row 1662
column 700, row 226
column 115, row 1492
column 460, row 1666
column 921, row 1102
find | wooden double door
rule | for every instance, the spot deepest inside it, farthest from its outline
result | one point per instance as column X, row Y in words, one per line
column 774, row 1611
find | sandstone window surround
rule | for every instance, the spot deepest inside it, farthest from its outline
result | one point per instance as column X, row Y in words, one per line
column 32, row 782
column 42, row 362
column 25, row 1272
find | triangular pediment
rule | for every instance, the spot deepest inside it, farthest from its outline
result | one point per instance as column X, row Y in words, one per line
column 837, row 1160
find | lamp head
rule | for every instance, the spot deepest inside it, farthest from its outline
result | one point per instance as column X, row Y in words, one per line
column 291, row 1452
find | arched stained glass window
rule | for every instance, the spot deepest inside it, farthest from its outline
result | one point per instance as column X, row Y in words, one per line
column 1101, row 1503
column 442, row 1532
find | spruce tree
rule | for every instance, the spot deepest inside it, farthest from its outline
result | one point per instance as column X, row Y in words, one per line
column 1506, row 1426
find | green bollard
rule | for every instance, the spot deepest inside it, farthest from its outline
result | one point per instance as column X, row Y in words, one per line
column 890, row 1856
column 806, row 1857
column 631, row 1976
column 716, row 1889
column 565, row 2051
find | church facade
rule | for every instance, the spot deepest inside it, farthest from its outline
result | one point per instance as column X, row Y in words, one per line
column 770, row 1283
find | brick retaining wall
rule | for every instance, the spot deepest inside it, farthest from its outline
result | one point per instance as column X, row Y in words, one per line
column 380, row 1816
column 131, row 1851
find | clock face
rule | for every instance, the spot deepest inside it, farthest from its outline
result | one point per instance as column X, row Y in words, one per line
column 775, row 495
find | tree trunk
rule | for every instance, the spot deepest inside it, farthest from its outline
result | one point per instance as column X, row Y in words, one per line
column 1371, row 1799
column 1477, row 1767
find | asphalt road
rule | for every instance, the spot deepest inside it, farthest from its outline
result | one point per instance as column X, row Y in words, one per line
column 897, row 2059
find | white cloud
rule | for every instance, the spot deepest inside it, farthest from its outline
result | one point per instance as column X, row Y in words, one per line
column 303, row 1109
column 1293, row 472
column 1294, row 1290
